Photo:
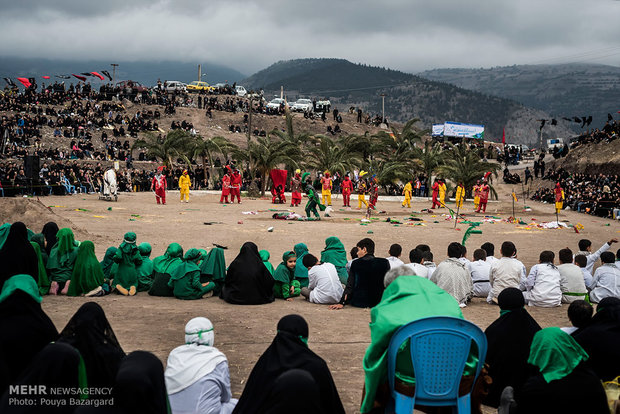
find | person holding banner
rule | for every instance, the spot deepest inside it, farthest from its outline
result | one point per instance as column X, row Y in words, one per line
column 158, row 186
column 559, row 198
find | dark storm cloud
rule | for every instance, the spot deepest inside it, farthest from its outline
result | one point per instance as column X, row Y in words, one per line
column 249, row 35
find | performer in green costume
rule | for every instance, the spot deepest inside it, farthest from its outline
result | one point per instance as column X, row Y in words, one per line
column 264, row 256
column 313, row 198
column 61, row 261
column 145, row 270
column 163, row 267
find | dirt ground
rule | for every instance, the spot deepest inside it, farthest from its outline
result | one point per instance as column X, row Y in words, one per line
column 243, row 332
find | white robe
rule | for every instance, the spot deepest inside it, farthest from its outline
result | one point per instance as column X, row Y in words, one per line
column 479, row 271
column 324, row 285
column 506, row 272
column 606, row 283
column 394, row 262
column 543, row 286
column 452, row 277
column 418, row 269
column 572, row 278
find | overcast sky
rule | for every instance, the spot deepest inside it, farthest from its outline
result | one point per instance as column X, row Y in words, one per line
column 409, row 35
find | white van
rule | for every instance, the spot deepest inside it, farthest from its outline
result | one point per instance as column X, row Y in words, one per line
column 172, row 86
column 555, row 142
column 240, row 90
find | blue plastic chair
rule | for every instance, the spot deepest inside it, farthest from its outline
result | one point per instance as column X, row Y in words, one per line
column 440, row 348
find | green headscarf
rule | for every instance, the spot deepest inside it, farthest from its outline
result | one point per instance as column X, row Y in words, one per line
column 108, row 261
column 145, row 249
column 555, row 353
column 129, row 242
column 188, row 265
column 334, row 252
column 87, row 272
column 405, row 300
column 25, row 283
column 66, row 242
column 44, row 282
column 301, row 271
column 4, row 233
column 264, row 256
column 214, row 264
column 283, row 273
column 169, row 260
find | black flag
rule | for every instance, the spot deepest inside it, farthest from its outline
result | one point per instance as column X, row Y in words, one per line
column 567, row 119
column 589, row 120
column 609, row 116
column 542, row 123
column 583, row 121
column 87, row 74
column 63, row 76
column 576, row 119
column 106, row 73
column 554, row 122
column 9, row 81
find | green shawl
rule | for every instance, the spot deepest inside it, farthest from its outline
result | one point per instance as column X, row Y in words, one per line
column 24, row 283
column 129, row 243
column 169, row 260
column 405, row 300
column 62, row 257
column 188, row 265
column 44, row 282
column 214, row 265
column 264, row 256
column 87, row 272
column 301, row 271
column 555, row 353
column 65, row 245
column 108, row 262
column 282, row 273
column 145, row 270
column 334, row 252
column 4, row 233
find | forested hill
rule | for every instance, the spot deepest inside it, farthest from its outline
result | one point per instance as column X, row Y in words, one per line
column 576, row 89
column 407, row 96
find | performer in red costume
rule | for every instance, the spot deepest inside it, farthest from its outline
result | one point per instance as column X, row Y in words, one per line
column 484, row 197
column 235, row 186
column 436, row 194
column 296, row 189
column 347, row 189
column 225, row 186
column 158, row 185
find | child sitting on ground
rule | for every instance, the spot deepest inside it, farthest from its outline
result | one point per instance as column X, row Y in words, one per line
column 579, row 314
column 543, row 286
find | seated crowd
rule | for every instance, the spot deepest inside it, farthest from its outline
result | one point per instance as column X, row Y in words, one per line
column 596, row 194
column 530, row 369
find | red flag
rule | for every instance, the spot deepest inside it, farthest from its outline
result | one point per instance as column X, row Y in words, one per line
column 504, row 136
column 25, row 82
column 97, row 75
column 45, row 77
column 82, row 78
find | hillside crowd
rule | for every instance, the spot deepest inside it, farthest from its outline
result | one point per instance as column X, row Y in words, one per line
column 527, row 369
column 609, row 132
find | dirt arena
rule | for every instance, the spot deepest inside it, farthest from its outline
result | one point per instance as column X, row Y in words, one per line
column 243, row 332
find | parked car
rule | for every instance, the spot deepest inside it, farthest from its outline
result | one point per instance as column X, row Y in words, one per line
column 197, row 86
column 275, row 103
column 302, row 105
column 324, row 104
column 240, row 90
column 174, row 86
column 130, row 85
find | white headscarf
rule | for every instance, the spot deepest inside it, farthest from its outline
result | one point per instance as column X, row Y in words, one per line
column 197, row 358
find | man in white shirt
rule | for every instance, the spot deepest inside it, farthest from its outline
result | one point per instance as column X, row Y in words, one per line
column 490, row 249
column 416, row 266
column 463, row 259
column 428, row 263
column 606, row 281
column 506, row 272
column 582, row 262
column 323, row 283
column 479, row 270
column 452, row 276
column 394, row 256
column 585, row 248
column 543, row 286
column 572, row 278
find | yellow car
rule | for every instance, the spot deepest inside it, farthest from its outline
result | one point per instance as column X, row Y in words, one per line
column 197, row 86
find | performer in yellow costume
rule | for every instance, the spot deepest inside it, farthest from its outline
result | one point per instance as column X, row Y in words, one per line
column 559, row 198
column 460, row 195
column 326, row 189
column 407, row 192
column 184, row 185
column 442, row 193
column 477, row 194
column 362, row 189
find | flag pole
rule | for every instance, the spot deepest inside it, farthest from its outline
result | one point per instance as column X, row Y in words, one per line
column 456, row 217
column 513, row 204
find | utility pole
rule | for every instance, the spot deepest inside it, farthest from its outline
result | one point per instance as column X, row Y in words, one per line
column 382, row 108
column 199, row 72
column 249, row 133
column 281, row 92
column 114, row 65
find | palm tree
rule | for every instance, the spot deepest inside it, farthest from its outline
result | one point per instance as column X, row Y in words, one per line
column 177, row 144
column 464, row 165
column 206, row 148
column 429, row 158
column 289, row 134
column 266, row 153
column 331, row 155
column 403, row 140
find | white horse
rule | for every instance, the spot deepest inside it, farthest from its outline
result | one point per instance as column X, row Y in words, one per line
column 109, row 183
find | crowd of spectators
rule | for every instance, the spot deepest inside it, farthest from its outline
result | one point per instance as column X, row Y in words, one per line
column 595, row 194
column 609, row 132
